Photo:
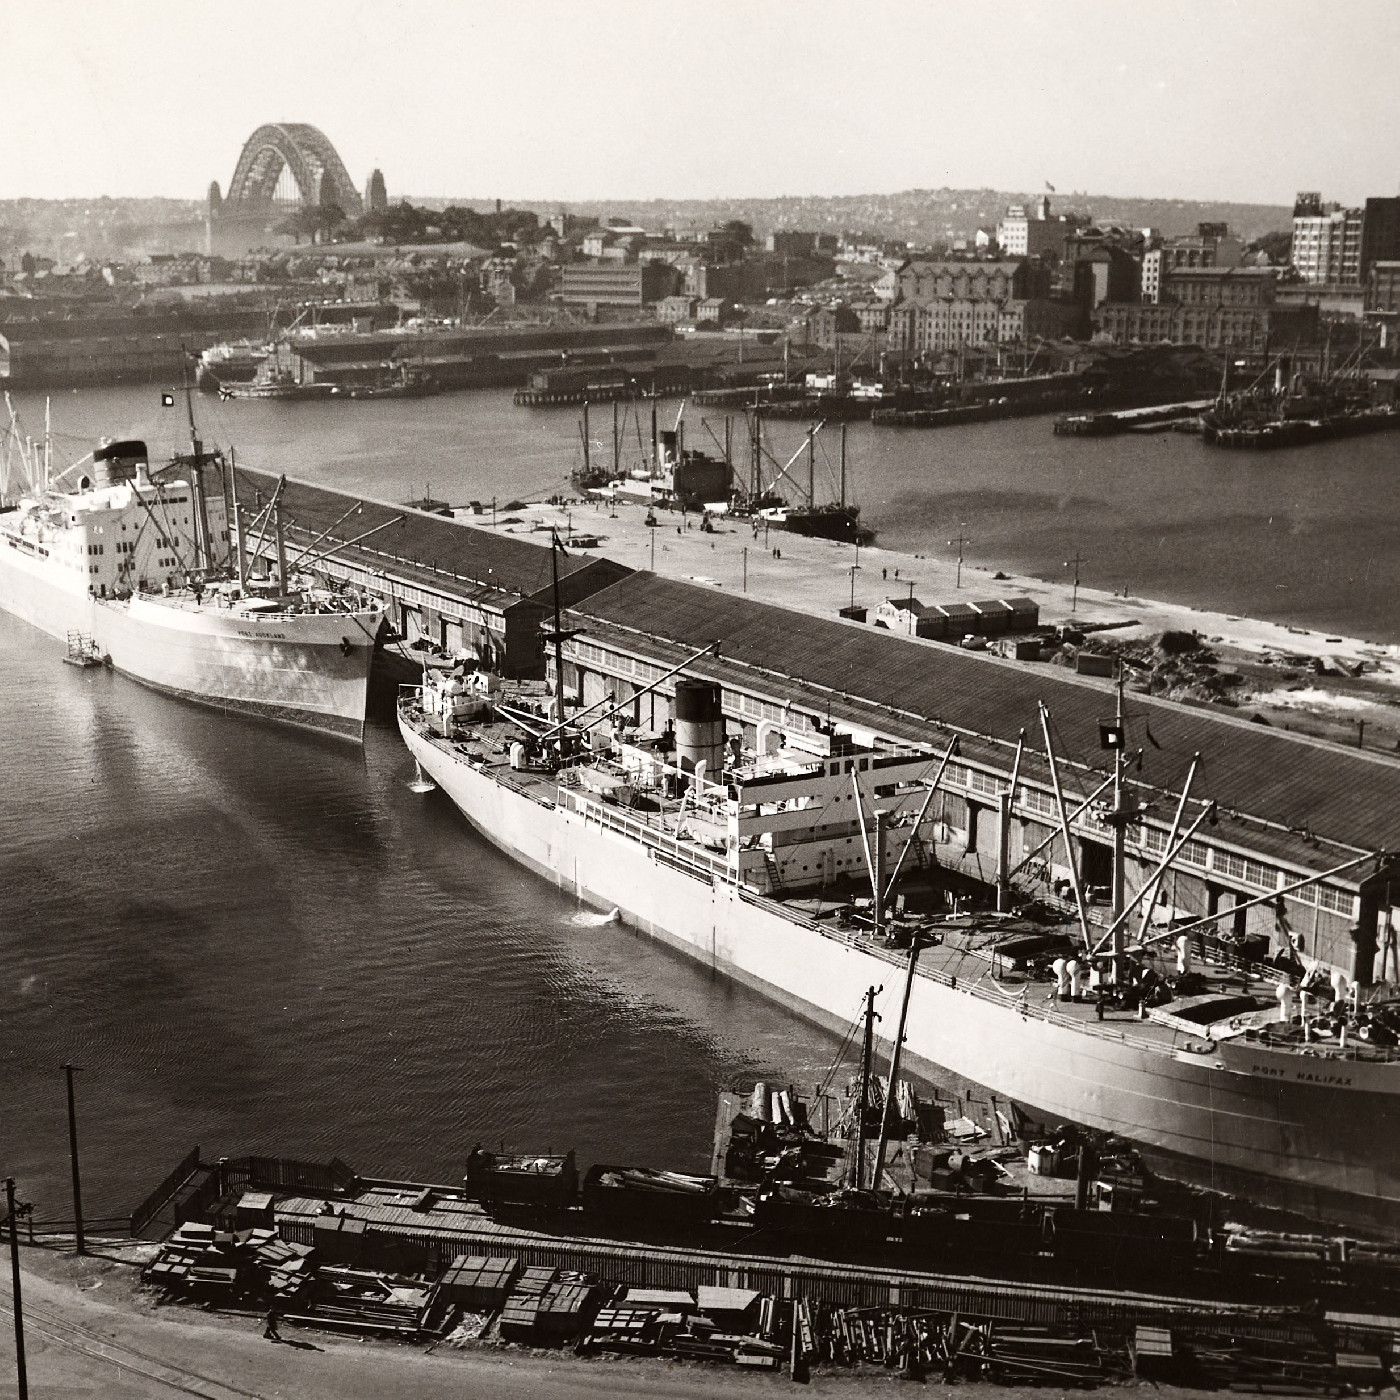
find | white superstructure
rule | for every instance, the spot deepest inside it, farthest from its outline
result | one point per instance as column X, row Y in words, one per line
column 141, row 567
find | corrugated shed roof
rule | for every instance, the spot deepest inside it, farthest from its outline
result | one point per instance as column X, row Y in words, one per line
column 434, row 549
column 1305, row 786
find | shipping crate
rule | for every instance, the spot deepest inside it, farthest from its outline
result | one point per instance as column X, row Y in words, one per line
column 1090, row 663
column 479, row 1283
column 519, row 1317
column 254, row 1209
column 535, row 1281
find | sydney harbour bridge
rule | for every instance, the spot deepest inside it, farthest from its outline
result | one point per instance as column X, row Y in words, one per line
column 283, row 167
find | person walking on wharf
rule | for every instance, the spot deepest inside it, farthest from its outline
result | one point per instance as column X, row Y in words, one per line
column 270, row 1330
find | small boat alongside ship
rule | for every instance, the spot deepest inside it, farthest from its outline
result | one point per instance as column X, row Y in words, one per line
column 146, row 569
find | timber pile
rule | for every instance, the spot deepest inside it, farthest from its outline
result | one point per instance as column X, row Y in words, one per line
column 964, row 1348
column 726, row 1325
column 226, row 1265
column 255, row 1268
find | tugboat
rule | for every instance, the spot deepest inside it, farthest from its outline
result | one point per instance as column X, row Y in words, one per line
column 402, row 382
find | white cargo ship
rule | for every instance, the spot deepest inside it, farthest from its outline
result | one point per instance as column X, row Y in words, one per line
column 1283, row 1086
column 137, row 569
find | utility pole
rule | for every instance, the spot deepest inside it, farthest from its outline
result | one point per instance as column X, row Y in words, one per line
column 1074, row 564
column 746, row 565
column 73, row 1156
column 960, row 541
column 853, row 571
column 12, row 1213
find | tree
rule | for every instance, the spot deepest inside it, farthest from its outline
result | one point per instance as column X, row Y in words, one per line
column 1276, row 246
column 316, row 221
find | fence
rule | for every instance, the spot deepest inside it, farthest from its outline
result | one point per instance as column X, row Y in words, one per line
column 147, row 1210
column 837, row 1284
column 285, row 1174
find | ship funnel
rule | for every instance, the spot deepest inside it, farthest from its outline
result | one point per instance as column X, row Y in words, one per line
column 670, row 449
column 699, row 726
column 114, row 462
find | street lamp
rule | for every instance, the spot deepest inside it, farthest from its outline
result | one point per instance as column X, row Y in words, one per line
column 1074, row 564
column 960, row 542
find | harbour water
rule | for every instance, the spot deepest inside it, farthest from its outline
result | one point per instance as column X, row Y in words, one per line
column 1304, row 535
column 254, row 940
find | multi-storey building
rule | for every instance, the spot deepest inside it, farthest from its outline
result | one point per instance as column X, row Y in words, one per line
column 1213, row 307
column 1023, row 234
column 614, row 284
column 1326, row 240
column 1212, row 245
column 1380, row 233
column 1383, row 299
column 946, row 304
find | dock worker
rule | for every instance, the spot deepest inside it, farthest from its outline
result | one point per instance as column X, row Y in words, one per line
column 270, row 1329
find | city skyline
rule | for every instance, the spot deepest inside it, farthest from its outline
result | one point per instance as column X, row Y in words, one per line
column 622, row 100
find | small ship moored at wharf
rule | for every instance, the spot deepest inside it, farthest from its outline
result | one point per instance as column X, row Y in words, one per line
column 1296, row 410
column 1272, row 1079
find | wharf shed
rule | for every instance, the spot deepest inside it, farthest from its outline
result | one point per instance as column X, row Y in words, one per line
column 1286, row 808
column 458, row 586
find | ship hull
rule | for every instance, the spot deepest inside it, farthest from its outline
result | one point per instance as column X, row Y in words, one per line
column 1294, row 1136
column 309, row 670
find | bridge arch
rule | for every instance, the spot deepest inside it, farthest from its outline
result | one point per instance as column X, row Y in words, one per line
column 302, row 150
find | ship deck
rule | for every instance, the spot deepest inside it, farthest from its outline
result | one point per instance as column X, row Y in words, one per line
column 966, row 950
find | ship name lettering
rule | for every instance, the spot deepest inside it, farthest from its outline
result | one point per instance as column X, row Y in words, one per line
column 1267, row 1069
column 1342, row 1081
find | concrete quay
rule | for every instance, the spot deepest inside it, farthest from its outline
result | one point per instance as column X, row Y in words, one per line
column 814, row 575
column 822, row 576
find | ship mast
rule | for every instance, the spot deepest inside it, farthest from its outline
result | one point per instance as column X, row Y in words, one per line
column 843, row 470
column 559, row 635
column 1114, row 738
column 812, row 467
column 866, row 1058
column 203, row 550
column 890, row 1093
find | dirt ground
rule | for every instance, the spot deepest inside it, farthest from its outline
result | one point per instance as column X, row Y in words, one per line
column 91, row 1330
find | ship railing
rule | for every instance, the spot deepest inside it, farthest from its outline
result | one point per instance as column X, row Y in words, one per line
column 676, row 851
column 695, row 862
column 896, row 958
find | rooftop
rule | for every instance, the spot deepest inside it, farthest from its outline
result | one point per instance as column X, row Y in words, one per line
column 1304, row 790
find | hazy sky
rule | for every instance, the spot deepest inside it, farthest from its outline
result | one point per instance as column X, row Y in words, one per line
column 611, row 99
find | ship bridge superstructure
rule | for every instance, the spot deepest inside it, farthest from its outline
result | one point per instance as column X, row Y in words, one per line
column 118, row 529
